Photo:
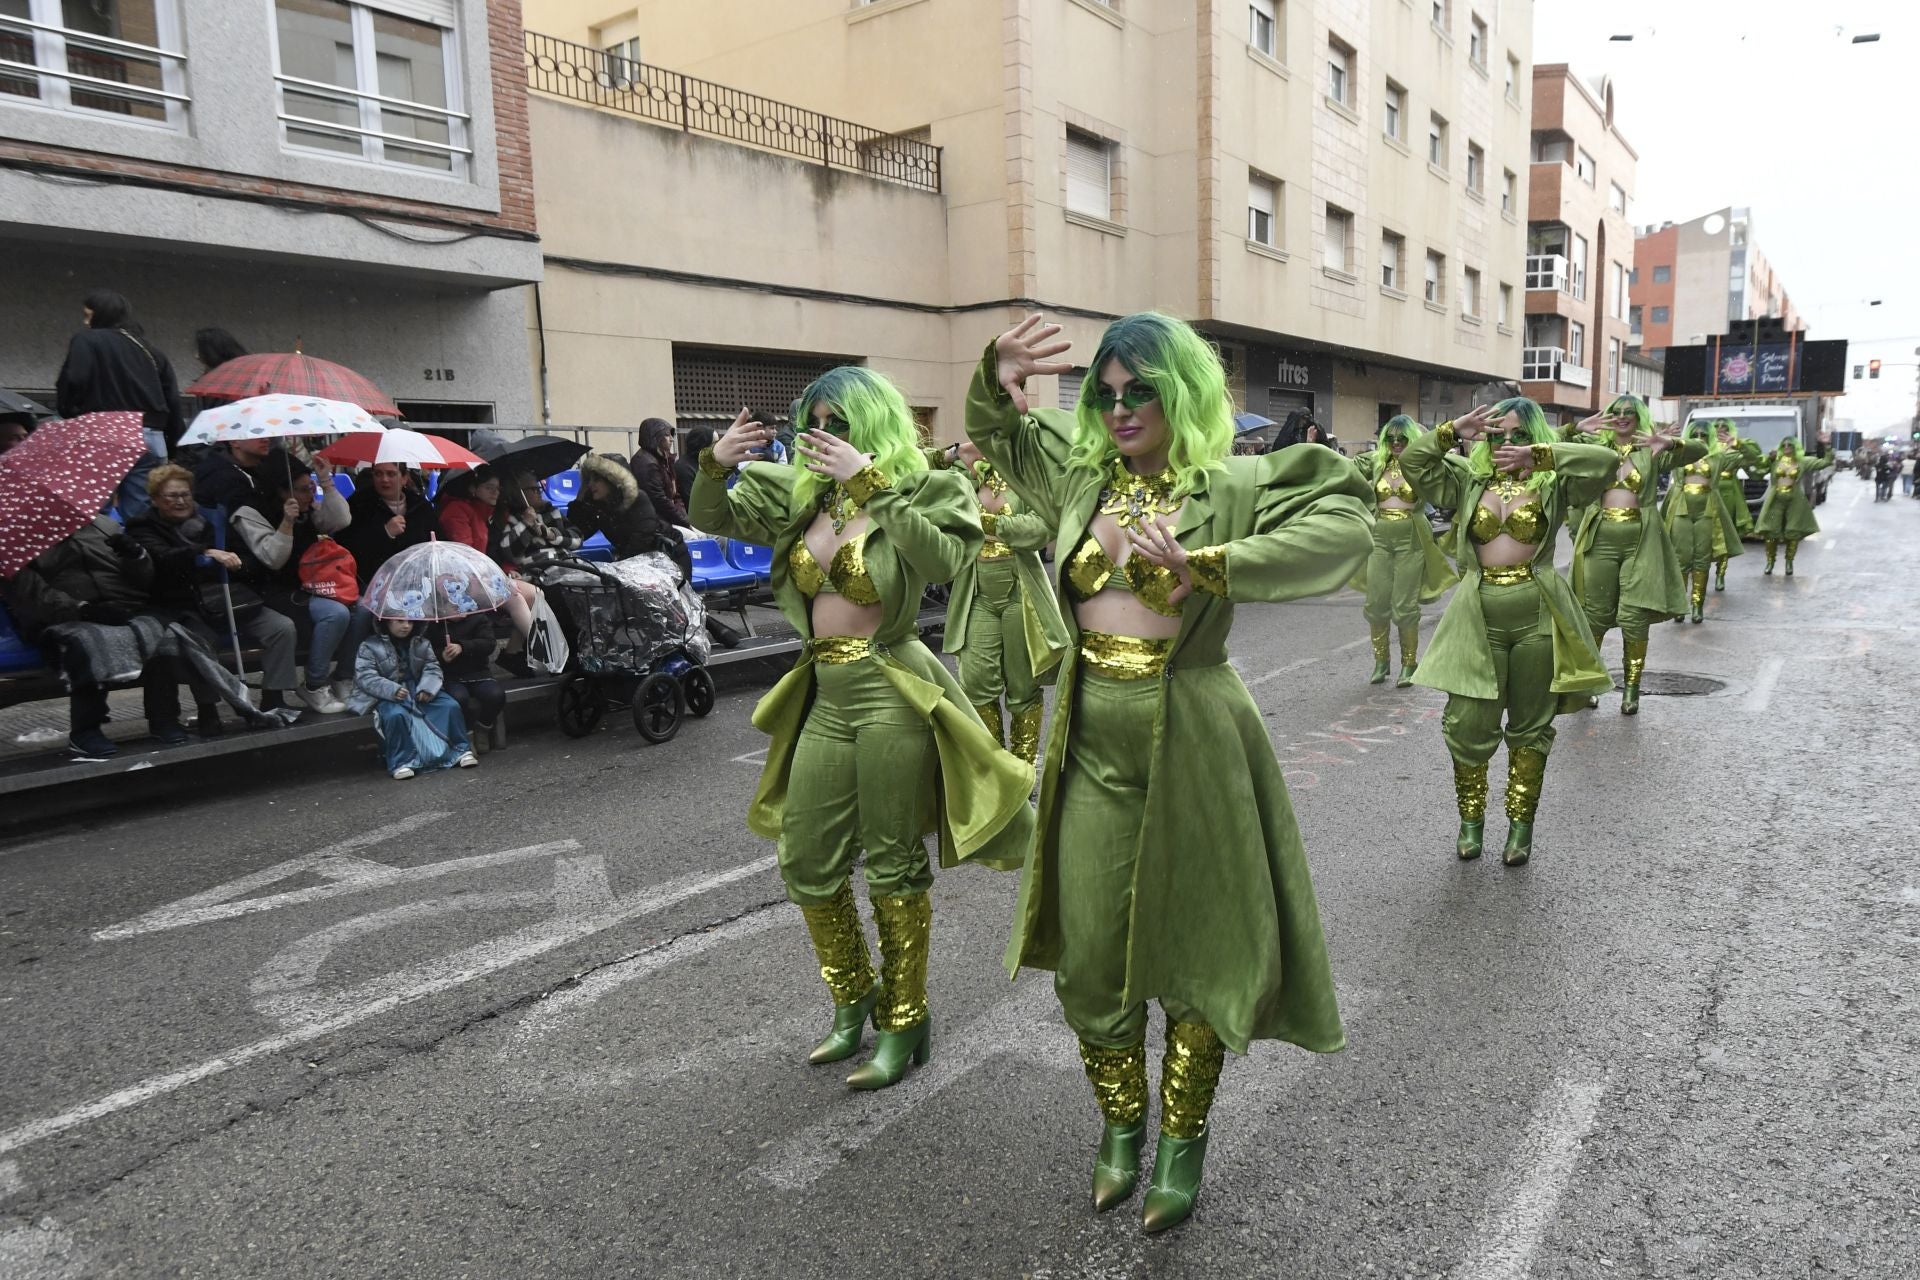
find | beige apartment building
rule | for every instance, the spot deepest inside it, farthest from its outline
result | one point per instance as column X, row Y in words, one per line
column 1579, row 246
column 1333, row 189
column 1692, row 278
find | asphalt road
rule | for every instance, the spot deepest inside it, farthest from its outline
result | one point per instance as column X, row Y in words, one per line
column 548, row 1018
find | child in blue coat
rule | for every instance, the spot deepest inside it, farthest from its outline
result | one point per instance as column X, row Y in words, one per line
column 396, row 675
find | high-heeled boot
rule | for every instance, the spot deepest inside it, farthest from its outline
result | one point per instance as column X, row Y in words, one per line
column 1188, row 1076
column 1700, row 595
column 1382, row 637
column 1634, row 662
column 906, row 1028
column 1793, row 549
column 1119, row 1080
column 1720, row 574
column 1409, row 654
column 841, row 948
column 990, row 712
column 1470, row 793
column 1023, row 732
column 1772, row 547
column 1526, row 770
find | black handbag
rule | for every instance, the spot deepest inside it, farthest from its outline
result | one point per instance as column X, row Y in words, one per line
column 213, row 601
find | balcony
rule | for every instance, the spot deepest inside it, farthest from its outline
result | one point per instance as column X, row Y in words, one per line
column 582, row 74
column 1554, row 272
column 1550, row 364
column 77, row 71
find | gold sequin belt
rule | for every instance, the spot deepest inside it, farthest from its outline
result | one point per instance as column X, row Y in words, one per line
column 1619, row 515
column 1124, row 657
column 995, row 550
column 1695, row 488
column 1506, row 575
column 1394, row 513
column 838, row 651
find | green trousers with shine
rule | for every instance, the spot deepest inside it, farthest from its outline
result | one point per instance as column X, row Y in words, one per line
column 864, row 773
column 1520, row 635
column 1693, row 527
column 994, row 659
column 1615, row 542
column 1394, row 572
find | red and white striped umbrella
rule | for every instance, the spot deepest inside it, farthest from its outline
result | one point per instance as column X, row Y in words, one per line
column 408, row 448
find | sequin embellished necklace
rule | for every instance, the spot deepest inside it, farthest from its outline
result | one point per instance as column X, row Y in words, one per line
column 1509, row 487
column 839, row 506
column 1133, row 500
column 990, row 479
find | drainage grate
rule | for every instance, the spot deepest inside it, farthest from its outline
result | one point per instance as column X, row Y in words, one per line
column 1676, row 684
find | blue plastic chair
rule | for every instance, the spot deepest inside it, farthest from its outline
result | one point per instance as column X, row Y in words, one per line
column 16, row 654
column 562, row 488
column 751, row 557
column 711, row 572
column 343, row 484
column 597, row 549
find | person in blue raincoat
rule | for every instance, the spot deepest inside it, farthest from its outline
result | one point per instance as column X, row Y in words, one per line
column 398, row 678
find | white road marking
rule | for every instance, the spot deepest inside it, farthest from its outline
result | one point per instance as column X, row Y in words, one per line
column 393, row 991
column 1522, row 1208
column 752, row 757
column 1762, row 692
column 1292, row 667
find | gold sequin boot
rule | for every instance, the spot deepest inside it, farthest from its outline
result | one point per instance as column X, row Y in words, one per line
column 841, row 948
column 990, row 712
column 1188, row 1077
column 1793, row 549
column 1526, row 770
column 1700, row 595
column 1720, row 574
column 1470, row 792
column 1382, row 653
column 1119, row 1080
column 1634, row 663
column 906, row 1029
column 1772, row 547
column 1409, row 654
column 1023, row 732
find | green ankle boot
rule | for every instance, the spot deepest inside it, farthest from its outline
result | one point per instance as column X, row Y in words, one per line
column 1526, row 771
column 1381, row 657
column 1188, row 1077
column 1409, row 655
column 1177, row 1166
column 1116, row 1166
column 849, row 1023
column 905, row 925
column 895, row 1049
column 1470, row 794
column 1119, row 1080
column 841, row 948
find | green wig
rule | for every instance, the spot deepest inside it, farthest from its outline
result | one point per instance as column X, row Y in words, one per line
column 1185, row 370
column 1632, row 406
column 1398, row 422
column 1533, row 425
column 881, row 425
column 1790, row 444
column 1702, row 429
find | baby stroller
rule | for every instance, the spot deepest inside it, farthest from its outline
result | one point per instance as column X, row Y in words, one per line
column 636, row 644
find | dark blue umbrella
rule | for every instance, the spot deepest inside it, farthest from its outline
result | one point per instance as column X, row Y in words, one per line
column 1245, row 422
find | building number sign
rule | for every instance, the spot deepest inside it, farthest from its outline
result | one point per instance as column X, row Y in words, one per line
column 438, row 375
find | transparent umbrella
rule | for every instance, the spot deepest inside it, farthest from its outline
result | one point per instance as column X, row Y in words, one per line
column 434, row 581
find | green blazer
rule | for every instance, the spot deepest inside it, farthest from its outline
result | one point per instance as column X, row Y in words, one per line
column 1027, row 534
column 1651, row 578
column 1788, row 513
column 1726, row 530
column 1436, row 575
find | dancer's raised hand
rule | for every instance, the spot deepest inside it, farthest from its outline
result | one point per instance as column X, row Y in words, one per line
column 742, row 441
column 1025, row 350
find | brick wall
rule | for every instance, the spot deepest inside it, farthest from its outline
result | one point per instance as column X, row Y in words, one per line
column 506, row 45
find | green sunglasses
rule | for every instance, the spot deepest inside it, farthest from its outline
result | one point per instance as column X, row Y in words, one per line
column 1393, row 439
column 1136, row 395
column 834, row 425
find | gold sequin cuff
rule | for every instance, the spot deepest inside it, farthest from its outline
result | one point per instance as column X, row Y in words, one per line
column 905, row 924
column 840, row 946
column 1119, row 1080
column 1505, row 575
column 990, row 523
column 838, row 651
column 1188, row 1076
column 1470, row 790
column 994, row 549
column 1526, row 769
column 1208, row 566
column 1123, row 657
column 1023, row 732
column 1446, row 435
column 1543, row 457
column 866, row 482
column 939, row 459
column 712, row 468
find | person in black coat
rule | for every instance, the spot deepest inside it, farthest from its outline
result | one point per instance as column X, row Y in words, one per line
column 110, row 366
column 652, row 467
column 687, row 465
column 613, row 505
column 1300, row 428
column 388, row 517
column 466, row 650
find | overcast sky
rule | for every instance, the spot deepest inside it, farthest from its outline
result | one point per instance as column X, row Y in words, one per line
column 1768, row 104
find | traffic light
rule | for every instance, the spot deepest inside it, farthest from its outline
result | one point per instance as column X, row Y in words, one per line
column 1873, row 368
column 1859, row 372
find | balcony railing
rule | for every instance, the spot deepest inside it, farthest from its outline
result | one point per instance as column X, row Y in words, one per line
column 584, row 74
column 1550, row 364
column 372, row 126
column 77, row 71
column 1553, row 272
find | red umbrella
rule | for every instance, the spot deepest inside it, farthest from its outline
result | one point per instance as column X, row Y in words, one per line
column 292, row 373
column 59, row 479
column 408, row 448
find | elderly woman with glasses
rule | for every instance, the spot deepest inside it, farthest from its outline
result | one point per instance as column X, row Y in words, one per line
column 1167, row 863
column 1513, row 643
column 1406, row 569
column 874, row 746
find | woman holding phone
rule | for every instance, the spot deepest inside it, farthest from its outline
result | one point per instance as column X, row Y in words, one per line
column 873, row 746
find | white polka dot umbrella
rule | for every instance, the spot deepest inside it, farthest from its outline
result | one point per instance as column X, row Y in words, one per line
column 59, row 478
column 275, row 417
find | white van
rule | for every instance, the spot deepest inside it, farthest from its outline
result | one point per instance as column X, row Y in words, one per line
column 1767, row 425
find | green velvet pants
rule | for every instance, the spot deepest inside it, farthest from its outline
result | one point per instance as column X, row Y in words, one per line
column 864, row 777
column 1614, row 543
column 1520, row 635
column 1693, row 526
column 1394, row 571
column 993, row 659
column 1102, row 807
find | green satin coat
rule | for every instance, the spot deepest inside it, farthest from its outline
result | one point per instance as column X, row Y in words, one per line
column 1726, row 534
column 1027, row 534
column 1459, row 658
column 925, row 528
column 1224, row 918
column 1752, row 461
column 1789, row 516
column 1436, row 575
column 1651, row 580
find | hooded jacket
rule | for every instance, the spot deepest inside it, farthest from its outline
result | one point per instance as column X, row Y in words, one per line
column 628, row 521
column 658, row 483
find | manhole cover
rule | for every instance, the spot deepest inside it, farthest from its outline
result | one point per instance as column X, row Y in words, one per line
column 1677, row 684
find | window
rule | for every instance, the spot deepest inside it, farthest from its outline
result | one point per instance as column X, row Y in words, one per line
column 1583, row 167
column 1339, row 72
column 110, row 57
column 1393, row 260
column 1513, row 78
column 1617, row 198
column 1633, row 276
column 1576, row 343
column 1663, row 275
column 1338, row 247
column 1633, row 319
column 1509, row 192
column 1443, row 16
column 1470, row 293
column 1089, row 175
column 362, row 82
column 1070, row 385
column 1395, row 119
column 1617, row 291
column 623, row 60
column 1436, row 289
column 1437, row 140
column 1263, row 26
column 1613, row 364
column 1263, row 210
column 1477, row 41
column 1550, row 148
column 1660, row 315
column 1476, row 167
column 1506, row 306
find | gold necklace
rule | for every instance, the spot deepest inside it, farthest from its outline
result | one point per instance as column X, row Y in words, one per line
column 990, row 479
column 1509, row 487
column 839, row 505
column 1133, row 500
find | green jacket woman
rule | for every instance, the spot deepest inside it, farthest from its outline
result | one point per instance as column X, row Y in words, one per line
column 1513, row 642
column 1752, row 461
column 1003, row 623
column 1624, row 569
column 1167, row 864
column 872, row 744
column 1786, row 514
column 1697, row 520
column 1406, row 569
